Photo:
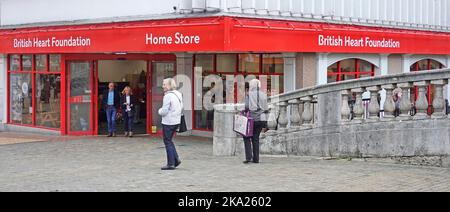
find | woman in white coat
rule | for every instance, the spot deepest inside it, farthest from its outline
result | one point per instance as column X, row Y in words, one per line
column 171, row 111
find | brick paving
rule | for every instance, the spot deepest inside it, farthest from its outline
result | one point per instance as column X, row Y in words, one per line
column 122, row 164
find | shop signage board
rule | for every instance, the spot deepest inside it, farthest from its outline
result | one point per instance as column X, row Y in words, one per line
column 221, row 34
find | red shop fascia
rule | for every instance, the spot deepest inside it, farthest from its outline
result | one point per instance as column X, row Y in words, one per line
column 224, row 34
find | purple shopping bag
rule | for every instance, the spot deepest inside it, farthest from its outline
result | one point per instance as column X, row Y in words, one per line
column 243, row 124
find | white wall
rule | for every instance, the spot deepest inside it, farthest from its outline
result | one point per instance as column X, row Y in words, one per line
column 115, row 70
column 34, row 11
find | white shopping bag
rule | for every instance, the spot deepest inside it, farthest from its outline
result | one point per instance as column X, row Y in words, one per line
column 243, row 125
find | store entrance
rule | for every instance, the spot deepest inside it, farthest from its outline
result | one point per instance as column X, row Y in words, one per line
column 123, row 73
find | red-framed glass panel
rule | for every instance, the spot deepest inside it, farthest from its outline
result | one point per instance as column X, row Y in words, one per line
column 80, row 110
column 33, row 97
column 425, row 65
column 350, row 69
column 269, row 68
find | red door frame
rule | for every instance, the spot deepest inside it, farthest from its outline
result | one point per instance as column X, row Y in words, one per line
column 150, row 92
column 94, row 58
column 92, row 121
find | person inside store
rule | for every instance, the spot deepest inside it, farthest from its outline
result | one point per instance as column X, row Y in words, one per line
column 128, row 103
column 111, row 101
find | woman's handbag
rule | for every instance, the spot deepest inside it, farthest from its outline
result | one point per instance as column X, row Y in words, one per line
column 182, row 127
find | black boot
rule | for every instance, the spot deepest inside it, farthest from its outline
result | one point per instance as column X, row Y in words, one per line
column 168, row 167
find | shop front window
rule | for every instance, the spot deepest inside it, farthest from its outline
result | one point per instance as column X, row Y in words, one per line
column 14, row 62
column 55, row 63
column 226, row 63
column 350, row 69
column 21, row 108
column 273, row 63
column 41, row 62
column 27, row 61
column 249, row 63
column 36, row 104
column 425, row 65
column 48, row 101
column 231, row 71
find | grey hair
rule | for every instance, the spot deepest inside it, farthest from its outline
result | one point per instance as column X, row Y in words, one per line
column 171, row 83
column 254, row 83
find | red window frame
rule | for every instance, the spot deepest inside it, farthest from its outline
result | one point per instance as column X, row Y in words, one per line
column 415, row 68
column 357, row 73
column 235, row 73
column 33, row 74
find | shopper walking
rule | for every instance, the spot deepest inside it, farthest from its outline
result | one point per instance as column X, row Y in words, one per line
column 171, row 111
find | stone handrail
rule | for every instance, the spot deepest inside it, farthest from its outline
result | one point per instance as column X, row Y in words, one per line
column 323, row 96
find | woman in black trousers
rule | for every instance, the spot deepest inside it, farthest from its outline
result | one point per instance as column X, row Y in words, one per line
column 127, row 103
column 256, row 104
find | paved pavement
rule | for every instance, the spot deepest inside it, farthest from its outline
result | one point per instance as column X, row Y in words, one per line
column 122, row 164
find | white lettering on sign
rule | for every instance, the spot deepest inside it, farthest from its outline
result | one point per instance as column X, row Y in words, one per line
column 348, row 41
column 177, row 39
column 51, row 42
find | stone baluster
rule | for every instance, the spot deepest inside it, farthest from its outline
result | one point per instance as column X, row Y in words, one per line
column 358, row 108
column 295, row 114
column 405, row 101
column 439, row 101
column 272, row 120
column 283, row 119
column 421, row 100
column 345, row 108
column 307, row 115
column 374, row 106
column 389, row 104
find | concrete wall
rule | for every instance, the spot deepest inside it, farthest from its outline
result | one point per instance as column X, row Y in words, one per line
column 382, row 139
column 115, row 70
column 395, row 64
column 305, row 69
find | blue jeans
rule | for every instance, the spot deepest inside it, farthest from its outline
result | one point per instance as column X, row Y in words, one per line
column 111, row 117
column 172, row 155
column 128, row 121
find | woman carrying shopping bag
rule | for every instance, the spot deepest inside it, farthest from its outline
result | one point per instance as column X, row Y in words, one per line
column 256, row 106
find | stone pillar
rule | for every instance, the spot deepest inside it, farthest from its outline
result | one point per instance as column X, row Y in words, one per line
column 421, row 102
column 272, row 120
column 307, row 115
column 405, row 102
column 374, row 106
column 289, row 71
column 226, row 142
column 358, row 108
column 295, row 114
column 345, row 108
column 322, row 69
column 439, row 101
column 389, row 104
column 283, row 119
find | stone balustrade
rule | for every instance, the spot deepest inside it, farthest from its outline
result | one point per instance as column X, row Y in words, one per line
column 421, row 82
column 333, row 119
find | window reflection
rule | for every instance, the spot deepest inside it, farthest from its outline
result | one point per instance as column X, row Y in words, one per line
column 48, row 100
column 21, row 99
